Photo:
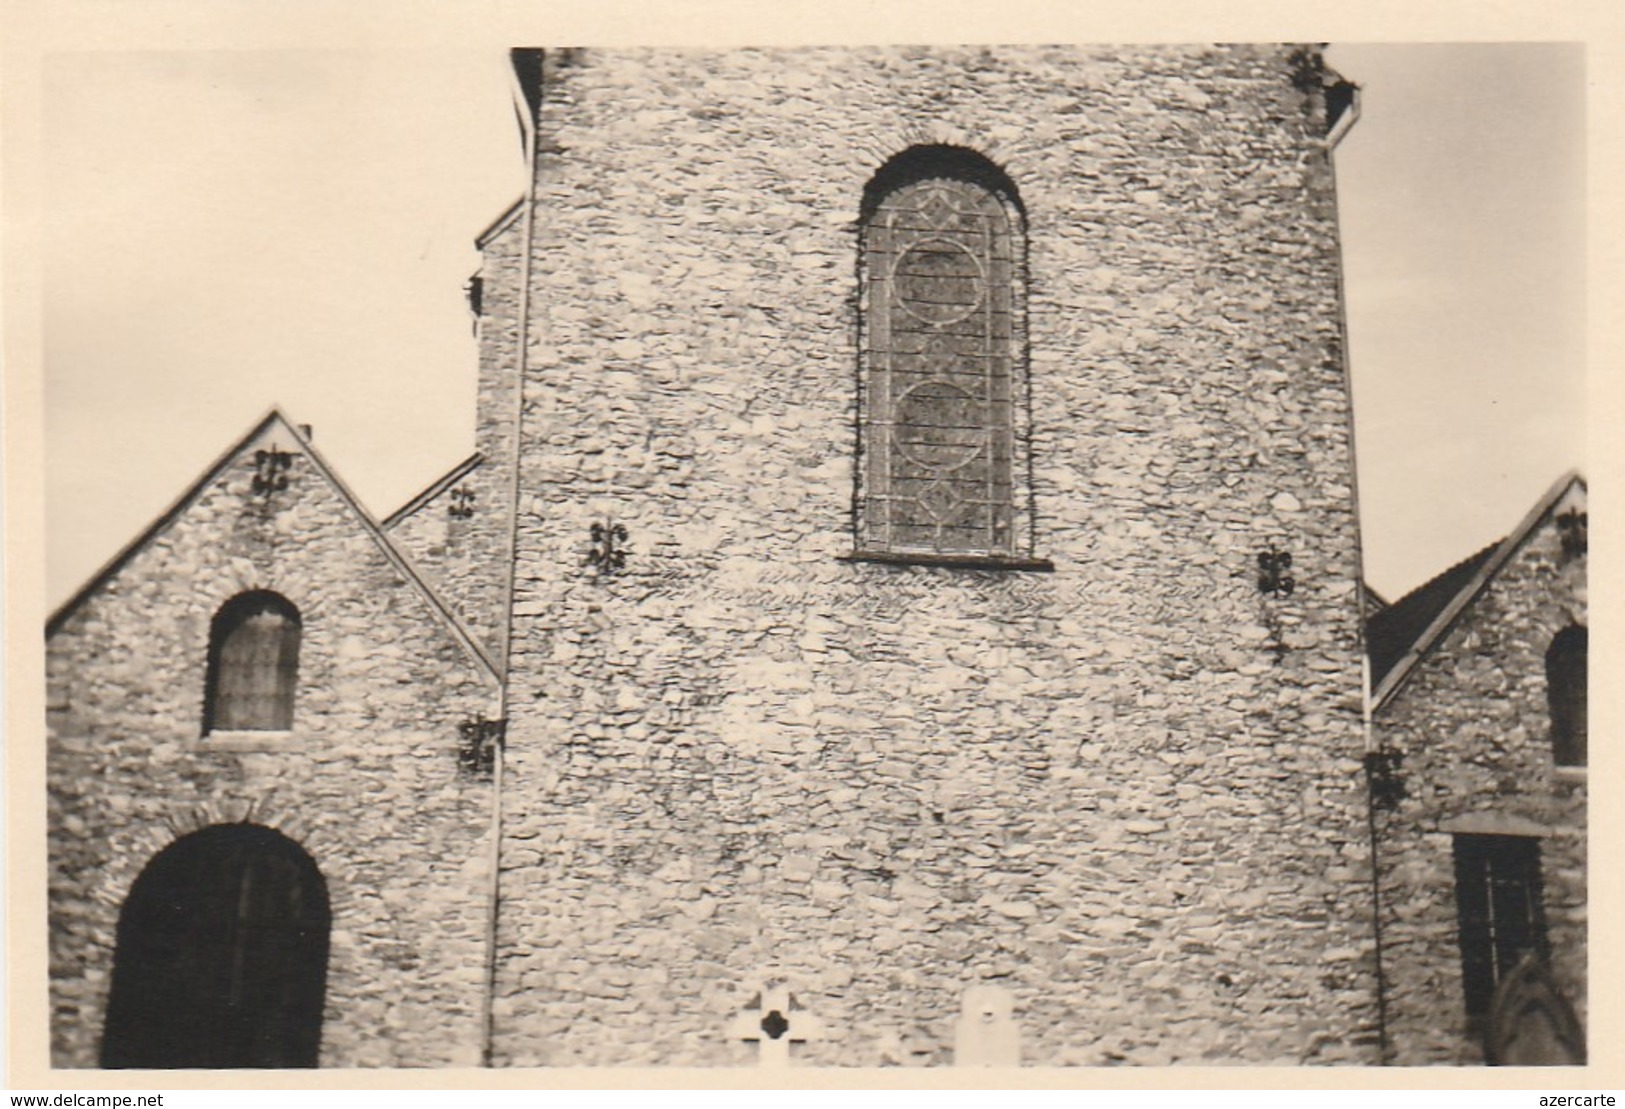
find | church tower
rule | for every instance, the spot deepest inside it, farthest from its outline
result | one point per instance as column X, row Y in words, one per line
column 927, row 481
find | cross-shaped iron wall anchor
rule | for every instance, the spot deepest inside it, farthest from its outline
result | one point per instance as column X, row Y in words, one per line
column 271, row 471
column 1571, row 525
column 773, row 1021
column 608, row 554
column 1273, row 579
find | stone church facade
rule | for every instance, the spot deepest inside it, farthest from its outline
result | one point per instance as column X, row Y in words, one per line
column 904, row 608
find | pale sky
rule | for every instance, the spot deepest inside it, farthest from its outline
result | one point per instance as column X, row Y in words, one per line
column 229, row 230
column 1462, row 204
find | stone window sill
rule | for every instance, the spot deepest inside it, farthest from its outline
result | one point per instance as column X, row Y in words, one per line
column 951, row 561
column 1569, row 774
column 252, row 741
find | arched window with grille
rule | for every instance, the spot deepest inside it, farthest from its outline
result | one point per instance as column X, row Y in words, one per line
column 1566, row 695
column 941, row 387
column 253, row 665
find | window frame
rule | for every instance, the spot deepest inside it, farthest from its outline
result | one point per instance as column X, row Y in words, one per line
column 982, row 201
column 1567, row 691
column 1491, row 873
column 228, row 680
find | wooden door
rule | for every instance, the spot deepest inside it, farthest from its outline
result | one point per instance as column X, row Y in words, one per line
column 222, row 956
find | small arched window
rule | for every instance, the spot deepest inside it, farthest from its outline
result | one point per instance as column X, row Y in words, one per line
column 941, row 318
column 1566, row 695
column 253, row 665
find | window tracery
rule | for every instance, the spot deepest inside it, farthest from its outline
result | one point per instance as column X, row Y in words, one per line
column 940, row 383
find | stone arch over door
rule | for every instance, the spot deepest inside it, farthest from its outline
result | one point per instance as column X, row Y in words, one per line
column 222, row 956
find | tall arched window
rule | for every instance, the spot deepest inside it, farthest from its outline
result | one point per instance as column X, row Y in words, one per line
column 941, row 318
column 1566, row 695
column 253, row 664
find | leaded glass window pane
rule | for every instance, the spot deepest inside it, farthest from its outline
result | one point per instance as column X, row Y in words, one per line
column 939, row 263
column 1498, row 911
column 253, row 664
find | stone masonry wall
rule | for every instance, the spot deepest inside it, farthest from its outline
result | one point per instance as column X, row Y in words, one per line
column 367, row 780
column 1129, row 791
column 458, row 554
column 1473, row 726
column 466, row 556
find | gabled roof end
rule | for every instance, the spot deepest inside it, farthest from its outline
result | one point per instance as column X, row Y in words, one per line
column 1462, row 584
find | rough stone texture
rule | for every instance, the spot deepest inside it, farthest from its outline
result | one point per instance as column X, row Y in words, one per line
column 366, row 781
column 467, row 557
column 1130, row 790
column 1473, row 727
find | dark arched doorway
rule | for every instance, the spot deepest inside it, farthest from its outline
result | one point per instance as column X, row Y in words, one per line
column 222, row 956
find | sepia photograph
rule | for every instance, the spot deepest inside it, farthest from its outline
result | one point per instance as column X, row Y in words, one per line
column 799, row 557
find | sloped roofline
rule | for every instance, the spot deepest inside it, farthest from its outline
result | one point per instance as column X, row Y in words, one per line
column 161, row 521
column 434, row 489
column 500, row 224
column 1447, row 617
column 1391, row 632
column 396, row 557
